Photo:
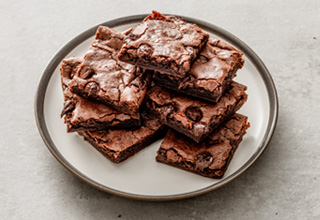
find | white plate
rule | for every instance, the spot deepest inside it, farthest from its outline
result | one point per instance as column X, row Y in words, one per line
column 140, row 176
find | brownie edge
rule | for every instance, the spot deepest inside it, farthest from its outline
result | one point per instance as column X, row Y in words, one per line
column 163, row 43
column 211, row 73
column 209, row 158
column 102, row 77
column 82, row 114
column 119, row 145
column 193, row 118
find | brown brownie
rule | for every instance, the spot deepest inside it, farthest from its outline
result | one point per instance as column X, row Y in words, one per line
column 102, row 77
column 210, row 74
column 118, row 145
column 196, row 119
column 82, row 114
column 166, row 44
column 209, row 158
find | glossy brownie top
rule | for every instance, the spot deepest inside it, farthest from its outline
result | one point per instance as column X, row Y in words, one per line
column 209, row 157
column 85, row 114
column 104, row 78
column 192, row 117
column 166, row 44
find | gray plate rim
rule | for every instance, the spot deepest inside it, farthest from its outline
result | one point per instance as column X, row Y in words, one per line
column 55, row 61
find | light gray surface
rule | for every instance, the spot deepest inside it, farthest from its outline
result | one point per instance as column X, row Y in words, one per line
column 283, row 184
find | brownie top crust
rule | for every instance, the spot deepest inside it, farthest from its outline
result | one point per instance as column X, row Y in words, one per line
column 82, row 113
column 167, row 44
column 212, row 153
column 104, row 78
column 192, row 117
column 215, row 62
column 117, row 141
column 210, row 74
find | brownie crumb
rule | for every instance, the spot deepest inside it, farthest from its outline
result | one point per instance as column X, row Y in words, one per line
column 314, row 38
column 119, row 216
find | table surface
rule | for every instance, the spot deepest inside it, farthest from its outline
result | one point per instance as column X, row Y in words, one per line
column 283, row 184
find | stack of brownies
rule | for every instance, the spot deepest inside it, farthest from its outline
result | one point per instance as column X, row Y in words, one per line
column 165, row 77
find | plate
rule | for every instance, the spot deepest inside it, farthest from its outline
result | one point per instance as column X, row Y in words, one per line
column 141, row 177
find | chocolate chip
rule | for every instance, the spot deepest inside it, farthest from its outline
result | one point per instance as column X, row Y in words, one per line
column 145, row 50
column 69, row 105
column 202, row 59
column 86, row 72
column 203, row 160
column 193, row 113
column 91, row 88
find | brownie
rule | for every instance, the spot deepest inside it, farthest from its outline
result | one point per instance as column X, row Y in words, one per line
column 166, row 44
column 118, row 145
column 102, row 77
column 210, row 74
column 82, row 114
column 194, row 118
column 209, row 158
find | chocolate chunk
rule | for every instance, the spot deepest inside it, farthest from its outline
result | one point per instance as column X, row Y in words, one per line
column 69, row 105
column 203, row 160
column 91, row 89
column 86, row 73
column 194, row 113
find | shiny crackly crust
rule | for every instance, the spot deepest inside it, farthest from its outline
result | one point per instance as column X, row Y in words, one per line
column 194, row 118
column 82, row 114
column 211, row 73
column 166, row 44
column 209, row 158
column 119, row 145
column 102, row 77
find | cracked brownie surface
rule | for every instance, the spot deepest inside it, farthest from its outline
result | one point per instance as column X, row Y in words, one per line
column 118, row 145
column 195, row 119
column 102, row 77
column 209, row 158
column 166, row 44
column 82, row 114
column 210, row 74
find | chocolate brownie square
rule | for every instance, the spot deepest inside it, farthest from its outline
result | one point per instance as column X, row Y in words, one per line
column 82, row 114
column 195, row 119
column 166, row 44
column 119, row 145
column 209, row 158
column 102, row 77
column 210, row 74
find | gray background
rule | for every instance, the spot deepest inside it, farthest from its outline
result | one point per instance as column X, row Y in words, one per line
column 283, row 184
